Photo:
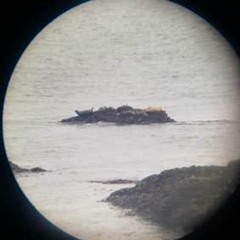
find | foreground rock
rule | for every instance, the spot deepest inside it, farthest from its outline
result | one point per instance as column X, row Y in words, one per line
column 121, row 115
column 179, row 199
column 18, row 169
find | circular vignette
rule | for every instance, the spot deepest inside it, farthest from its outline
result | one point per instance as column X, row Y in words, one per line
column 19, row 218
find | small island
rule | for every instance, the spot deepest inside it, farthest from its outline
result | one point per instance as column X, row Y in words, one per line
column 179, row 199
column 121, row 115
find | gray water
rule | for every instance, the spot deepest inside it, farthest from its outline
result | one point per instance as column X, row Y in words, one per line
column 109, row 53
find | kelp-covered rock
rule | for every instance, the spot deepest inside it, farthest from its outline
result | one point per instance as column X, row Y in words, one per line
column 121, row 115
column 18, row 169
column 179, row 199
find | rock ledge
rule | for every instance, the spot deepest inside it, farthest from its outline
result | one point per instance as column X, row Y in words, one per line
column 179, row 199
column 18, row 169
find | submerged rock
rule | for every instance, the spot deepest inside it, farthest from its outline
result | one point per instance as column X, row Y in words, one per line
column 18, row 169
column 121, row 115
column 116, row 181
column 179, row 199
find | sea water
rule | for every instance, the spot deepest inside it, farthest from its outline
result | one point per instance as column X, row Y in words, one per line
column 111, row 53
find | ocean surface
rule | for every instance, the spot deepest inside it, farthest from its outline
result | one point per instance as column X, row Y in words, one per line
column 110, row 53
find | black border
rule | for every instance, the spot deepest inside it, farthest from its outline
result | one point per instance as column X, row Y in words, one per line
column 20, row 23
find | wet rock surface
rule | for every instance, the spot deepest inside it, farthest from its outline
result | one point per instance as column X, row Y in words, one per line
column 18, row 169
column 179, row 199
column 121, row 115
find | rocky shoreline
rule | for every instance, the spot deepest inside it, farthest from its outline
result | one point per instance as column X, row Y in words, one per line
column 179, row 199
column 121, row 115
column 17, row 169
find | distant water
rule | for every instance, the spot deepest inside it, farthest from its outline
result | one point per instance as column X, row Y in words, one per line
column 109, row 53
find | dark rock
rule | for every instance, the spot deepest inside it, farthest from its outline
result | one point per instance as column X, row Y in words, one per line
column 122, row 115
column 124, row 108
column 18, row 169
column 116, row 181
column 37, row 169
column 179, row 199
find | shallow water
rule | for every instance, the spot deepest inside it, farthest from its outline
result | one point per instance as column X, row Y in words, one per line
column 156, row 55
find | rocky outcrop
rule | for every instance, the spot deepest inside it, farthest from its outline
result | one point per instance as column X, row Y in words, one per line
column 121, row 115
column 179, row 199
column 18, row 169
column 116, row 181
